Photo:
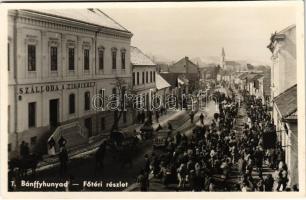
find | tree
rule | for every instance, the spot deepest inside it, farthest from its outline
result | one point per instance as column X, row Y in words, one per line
column 250, row 67
column 122, row 102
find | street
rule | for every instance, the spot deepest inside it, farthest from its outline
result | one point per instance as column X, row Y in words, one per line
column 142, row 103
column 83, row 168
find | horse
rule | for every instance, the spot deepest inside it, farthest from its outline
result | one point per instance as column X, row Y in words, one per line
column 100, row 155
column 126, row 155
column 24, row 164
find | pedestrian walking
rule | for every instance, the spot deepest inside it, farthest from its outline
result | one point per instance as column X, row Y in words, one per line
column 63, row 158
column 143, row 181
column 191, row 114
column 100, row 154
column 143, row 117
column 23, row 150
column 51, row 148
column 157, row 116
column 62, row 142
column 202, row 118
column 268, row 183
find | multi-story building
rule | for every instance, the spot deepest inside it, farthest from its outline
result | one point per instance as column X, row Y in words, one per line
column 187, row 69
column 58, row 60
column 144, row 75
column 284, row 94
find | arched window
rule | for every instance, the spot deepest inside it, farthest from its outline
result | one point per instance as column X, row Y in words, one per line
column 87, row 100
column 71, row 103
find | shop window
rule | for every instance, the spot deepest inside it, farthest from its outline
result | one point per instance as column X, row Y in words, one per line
column 102, row 123
column 87, row 100
column 32, row 114
column 33, row 140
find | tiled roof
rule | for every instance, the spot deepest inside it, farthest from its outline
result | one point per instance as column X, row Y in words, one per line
column 161, row 83
column 256, row 77
column 250, row 77
column 171, row 78
column 286, row 102
column 139, row 58
column 292, row 116
column 90, row 16
column 243, row 75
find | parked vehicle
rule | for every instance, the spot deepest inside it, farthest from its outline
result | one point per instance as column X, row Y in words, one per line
column 147, row 131
column 160, row 138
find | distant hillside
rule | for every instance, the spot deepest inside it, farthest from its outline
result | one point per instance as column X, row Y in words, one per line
column 206, row 61
column 158, row 59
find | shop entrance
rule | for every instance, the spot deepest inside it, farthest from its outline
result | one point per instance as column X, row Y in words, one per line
column 53, row 110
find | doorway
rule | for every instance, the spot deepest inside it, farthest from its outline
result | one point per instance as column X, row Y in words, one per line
column 88, row 125
column 53, row 111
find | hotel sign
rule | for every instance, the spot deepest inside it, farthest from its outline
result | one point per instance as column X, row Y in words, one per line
column 34, row 89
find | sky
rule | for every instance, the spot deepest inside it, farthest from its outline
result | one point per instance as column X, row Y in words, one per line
column 174, row 32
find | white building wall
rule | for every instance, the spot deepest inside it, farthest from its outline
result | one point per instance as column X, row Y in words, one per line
column 42, row 37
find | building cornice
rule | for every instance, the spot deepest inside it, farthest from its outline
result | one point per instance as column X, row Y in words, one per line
column 275, row 38
column 46, row 81
column 48, row 21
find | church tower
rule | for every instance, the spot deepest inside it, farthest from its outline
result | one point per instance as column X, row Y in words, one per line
column 222, row 63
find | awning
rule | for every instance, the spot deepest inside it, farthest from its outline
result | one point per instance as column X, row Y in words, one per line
column 286, row 102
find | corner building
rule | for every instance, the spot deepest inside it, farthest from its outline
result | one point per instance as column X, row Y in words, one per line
column 57, row 61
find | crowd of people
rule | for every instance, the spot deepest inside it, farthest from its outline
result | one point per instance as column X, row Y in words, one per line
column 219, row 152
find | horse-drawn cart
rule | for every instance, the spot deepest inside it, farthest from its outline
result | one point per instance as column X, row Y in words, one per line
column 160, row 138
column 147, row 131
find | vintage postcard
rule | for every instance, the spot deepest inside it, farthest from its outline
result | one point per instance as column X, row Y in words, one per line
column 136, row 100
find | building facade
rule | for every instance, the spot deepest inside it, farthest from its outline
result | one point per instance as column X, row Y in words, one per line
column 143, row 75
column 162, row 88
column 284, row 94
column 58, row 60
column 189, row 70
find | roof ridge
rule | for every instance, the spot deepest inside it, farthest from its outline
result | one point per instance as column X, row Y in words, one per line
column 287, row 28
column 146, row 56
column 113, row 20
column 47, row 12
column 158, row 74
